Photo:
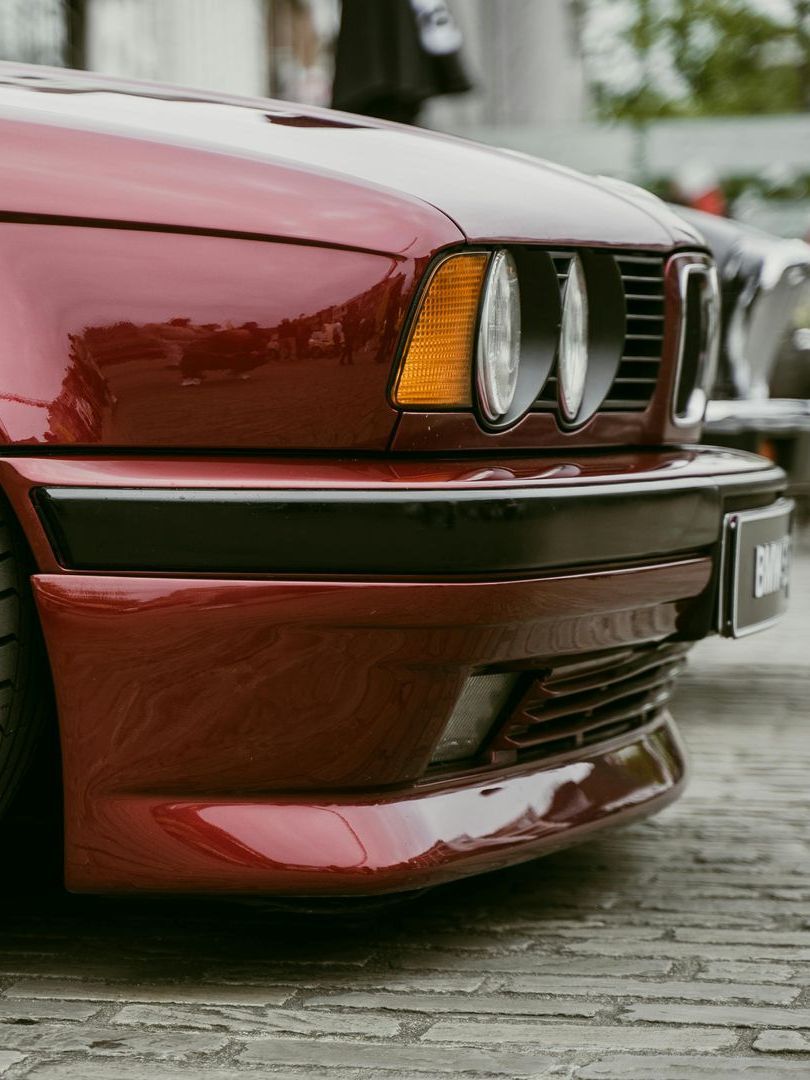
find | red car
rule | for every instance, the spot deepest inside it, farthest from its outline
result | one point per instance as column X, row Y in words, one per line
column 351, row 475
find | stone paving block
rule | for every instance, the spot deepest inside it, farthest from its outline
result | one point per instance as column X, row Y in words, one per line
column 709, row 915
column 733, row 1015
column 798, row 894
column 268, row 953
column 745, row 971
column 684, row 991
column 627, row 932
column 788, row 938
column 109, row 1041
column 688, row 1067
column 92, row 1069
column 392, row 1058
column 780, row 1042
column 501, row 1004
column 537, row 963
column 385, row 979
column 9, row 1058
column 678, row 950
column 204, row 994
column 549, row 1036
column 33, row 1009
column 292, row 1021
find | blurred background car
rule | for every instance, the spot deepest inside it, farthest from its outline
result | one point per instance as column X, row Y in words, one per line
column 761, row 399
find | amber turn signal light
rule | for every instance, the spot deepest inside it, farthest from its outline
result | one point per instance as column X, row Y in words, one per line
column 436, row 367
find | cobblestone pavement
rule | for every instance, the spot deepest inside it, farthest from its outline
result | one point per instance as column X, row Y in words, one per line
column 677, row 948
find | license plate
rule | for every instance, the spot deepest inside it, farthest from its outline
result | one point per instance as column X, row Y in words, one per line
column 755, row 568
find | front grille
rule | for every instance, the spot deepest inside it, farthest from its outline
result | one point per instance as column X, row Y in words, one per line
column 643, row 281
column 584, row 701
column 637, row 375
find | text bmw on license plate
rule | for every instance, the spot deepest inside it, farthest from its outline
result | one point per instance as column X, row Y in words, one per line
column 755, row 579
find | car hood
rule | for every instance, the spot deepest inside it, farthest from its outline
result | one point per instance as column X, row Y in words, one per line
column 487, row 194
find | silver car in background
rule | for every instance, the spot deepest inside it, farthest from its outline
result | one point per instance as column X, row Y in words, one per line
column 761, row 398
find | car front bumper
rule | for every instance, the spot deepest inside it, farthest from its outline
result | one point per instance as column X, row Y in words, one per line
column 254, row 659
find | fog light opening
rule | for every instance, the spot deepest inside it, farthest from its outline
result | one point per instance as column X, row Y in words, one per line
column 478, row 706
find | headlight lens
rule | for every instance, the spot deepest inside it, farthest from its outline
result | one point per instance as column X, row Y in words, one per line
column 498, row 356
column 573, row 353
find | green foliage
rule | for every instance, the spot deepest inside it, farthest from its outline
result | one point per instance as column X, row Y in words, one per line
column 709, row 58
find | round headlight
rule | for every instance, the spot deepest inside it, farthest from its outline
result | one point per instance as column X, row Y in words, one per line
column 572, row 363
column 498, row 355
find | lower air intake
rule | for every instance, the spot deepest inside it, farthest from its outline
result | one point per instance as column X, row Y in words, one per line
column 584, row 701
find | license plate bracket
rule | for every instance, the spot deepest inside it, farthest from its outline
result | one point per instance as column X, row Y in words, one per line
column 755, row 568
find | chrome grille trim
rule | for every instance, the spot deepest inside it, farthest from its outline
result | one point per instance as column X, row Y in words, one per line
column 637, row 377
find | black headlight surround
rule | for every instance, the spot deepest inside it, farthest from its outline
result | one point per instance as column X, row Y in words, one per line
column 541, row 312
column 606, row 333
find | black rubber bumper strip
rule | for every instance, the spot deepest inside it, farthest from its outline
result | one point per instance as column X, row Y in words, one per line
column 400, row 532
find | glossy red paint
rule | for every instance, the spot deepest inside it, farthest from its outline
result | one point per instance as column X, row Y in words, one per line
column 118, row 337
column 181, row 272
column 208, row 724
column 128, row 338
column 253, row 261
column 174, row 693
column 309, row 685
column 131, row 176
column 359, row 844
column 148, row 355
column 199, row 159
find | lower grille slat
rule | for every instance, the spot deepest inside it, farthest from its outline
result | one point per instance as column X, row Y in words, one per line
column 622, row 666
column 590, row 700
column 591, row 726
column 587, row 702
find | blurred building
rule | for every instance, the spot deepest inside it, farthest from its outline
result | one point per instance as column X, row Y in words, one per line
column 257, row 47
column 524, row 54
column 35, row 31
column 527, row 64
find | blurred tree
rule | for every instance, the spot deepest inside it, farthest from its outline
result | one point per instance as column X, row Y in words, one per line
column 705, row 58
column 801, row 14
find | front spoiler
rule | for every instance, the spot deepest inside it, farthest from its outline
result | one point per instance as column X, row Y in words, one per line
column 375, row 843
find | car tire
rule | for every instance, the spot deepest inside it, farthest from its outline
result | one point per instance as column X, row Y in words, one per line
column 24, row 675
